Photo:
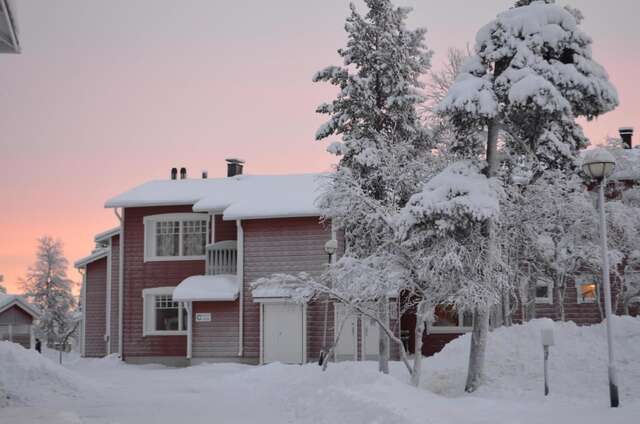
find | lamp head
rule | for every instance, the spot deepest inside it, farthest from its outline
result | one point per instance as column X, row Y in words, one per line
column 331, row 246
column 598, row 163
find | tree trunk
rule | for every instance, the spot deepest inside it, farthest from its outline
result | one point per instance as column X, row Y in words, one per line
column 479, row 336
column 418, row 335
column 480, row 331
column 383, row 346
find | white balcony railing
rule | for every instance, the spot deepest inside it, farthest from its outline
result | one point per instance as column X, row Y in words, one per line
column 222, row 257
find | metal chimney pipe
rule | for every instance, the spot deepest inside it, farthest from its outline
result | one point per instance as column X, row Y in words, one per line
column 183, row 173
column 174, row 173
column 205, row 174
column 626, row 134
column 234, row 167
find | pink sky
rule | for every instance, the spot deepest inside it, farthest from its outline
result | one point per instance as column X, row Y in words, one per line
column 107, row 95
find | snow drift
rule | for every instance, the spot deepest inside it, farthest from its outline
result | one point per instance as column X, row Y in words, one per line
column 577, row 362
column 27, row 377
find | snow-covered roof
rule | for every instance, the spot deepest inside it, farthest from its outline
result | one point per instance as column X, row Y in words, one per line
column 105, row 235
column 94, row 256
column 627, row 164
column 238, row 197
column 221, row 287
column 9, row 300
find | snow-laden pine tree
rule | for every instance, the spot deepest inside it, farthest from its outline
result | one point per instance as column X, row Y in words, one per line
column 2, row 288
column 382, row 143
column 48, row 287
column 531, row 76
column 623, row 226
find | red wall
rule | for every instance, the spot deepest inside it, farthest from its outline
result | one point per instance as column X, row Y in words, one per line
column 289, row 246
column 115, row 260
column 139, row 275
column 225, row 230
column 95, row 308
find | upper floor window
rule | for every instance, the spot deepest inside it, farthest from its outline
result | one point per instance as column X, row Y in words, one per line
column 180, row 236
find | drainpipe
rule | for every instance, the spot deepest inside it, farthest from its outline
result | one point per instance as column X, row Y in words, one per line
column 107, row 334
column 120, row 280
column 240, row 275
column 189, row 306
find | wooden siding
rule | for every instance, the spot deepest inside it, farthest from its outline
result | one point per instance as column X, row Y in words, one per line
column 225, row 230
column 219, row 337
column 95, row 308
column 287, row 245
column 139, row 275
column 115, row 260
column 15, row 315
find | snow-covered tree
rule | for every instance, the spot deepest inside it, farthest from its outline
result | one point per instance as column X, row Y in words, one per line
column 445, row 225
column 48, row 287
column 2, row 288
column 559, row 217
column 382, row 142
column 623, row 225
column 531, row 76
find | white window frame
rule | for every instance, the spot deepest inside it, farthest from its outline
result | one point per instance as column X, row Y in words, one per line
column 460, row 328
column 583, row 280
column 150, row 222
column 149, row 311
column 548, row 299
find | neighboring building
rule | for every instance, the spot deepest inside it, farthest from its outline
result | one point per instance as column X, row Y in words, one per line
column 8, row 28
column 172, row 283
column 17, row 317
column 580, row 299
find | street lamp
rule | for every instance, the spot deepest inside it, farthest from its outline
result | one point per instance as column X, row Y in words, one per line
column 330, row 248
column 599, row 165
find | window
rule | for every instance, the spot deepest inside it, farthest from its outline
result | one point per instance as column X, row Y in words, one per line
column 175, row 236
column 163, row 316
column 544, row 292
column 448, row 320
column 586, row 289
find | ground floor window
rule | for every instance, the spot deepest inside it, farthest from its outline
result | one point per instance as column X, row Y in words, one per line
column 544, row 292
column 448, row 320
column 163, row 316
column 587, row 289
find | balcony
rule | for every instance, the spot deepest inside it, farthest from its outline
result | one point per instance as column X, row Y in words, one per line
column 222, row 257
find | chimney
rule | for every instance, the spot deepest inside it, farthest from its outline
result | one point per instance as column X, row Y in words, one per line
column 205, row 174
column 234, row 167
column 626, row 133
column 174, row 173
column 183, row 173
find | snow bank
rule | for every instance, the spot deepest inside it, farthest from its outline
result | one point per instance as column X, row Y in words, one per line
column 27, row 377
column 514, row 361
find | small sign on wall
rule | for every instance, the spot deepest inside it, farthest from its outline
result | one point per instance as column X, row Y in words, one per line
column 203, row 317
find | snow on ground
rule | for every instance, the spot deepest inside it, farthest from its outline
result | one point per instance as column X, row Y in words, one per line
column 348, row 392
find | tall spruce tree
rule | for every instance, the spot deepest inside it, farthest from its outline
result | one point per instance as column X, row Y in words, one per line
column 49, row 288
column 2, row 288
column 531, row 77
column 382, row 142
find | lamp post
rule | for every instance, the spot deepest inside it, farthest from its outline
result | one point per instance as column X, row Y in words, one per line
column 599, row 165
column 330, row 248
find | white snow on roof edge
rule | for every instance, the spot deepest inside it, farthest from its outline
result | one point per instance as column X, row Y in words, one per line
column 94, row 256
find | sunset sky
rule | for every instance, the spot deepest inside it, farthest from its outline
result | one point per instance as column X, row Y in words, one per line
column 110, row 94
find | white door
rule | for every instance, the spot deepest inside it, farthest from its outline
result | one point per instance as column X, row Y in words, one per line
column 370, row 338
column 346, row 349
column 282, row 333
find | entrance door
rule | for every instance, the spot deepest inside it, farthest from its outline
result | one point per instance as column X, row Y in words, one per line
column 282, row 333
column 347, row 347
column 370, row 338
